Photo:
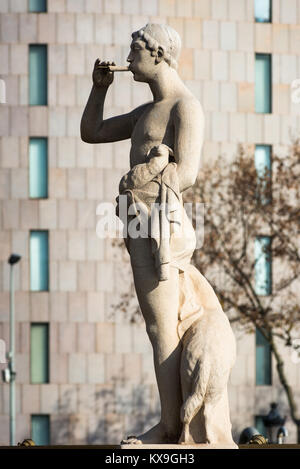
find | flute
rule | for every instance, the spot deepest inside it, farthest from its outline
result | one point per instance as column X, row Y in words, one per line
column 113, row 68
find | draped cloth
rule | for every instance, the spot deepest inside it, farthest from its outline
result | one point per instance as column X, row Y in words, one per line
column 169, row 230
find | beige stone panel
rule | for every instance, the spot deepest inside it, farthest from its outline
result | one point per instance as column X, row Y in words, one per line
column 112, row 6
column 57, row 59
column 66, row 28
column 122, row 29
column 83, row 87
column 57, row 183
column 46, row 28
column 47, row 214
column 86, row 338
column 52, row 90
column 68, row 397
column 24, row 274
column 5, row 184
column 263, row 38
column 85, row 154
column 76, row 183
column 186, row 64
column 30, row 399
column 228, row 97
column 22, row 368
column 95, row 306
column 76, row 6
column 202, row 8
column 58, row 306
column 210, row 38
column 276, row 11
column 103, row 29
column 4, row 63
column 288, row 11
column 86, row 214
column 237, row 125
column 38, row 121
column 123, row 338
column 28, row 28
column 4, row 311
column 114, row 367
column 294, row 38
column 49, row 399
column 73, row 122
column 167, row 7
column 288, row 69
column 95, row 246
column 289, row 129
column 246, row 97
column 228, row 35
column 76, row 245
column 4, row 120
column 4, row 6
column 281, row 99
column 86, row 397
column 202, row 64
column 58, row 6
column 105, row 277
column 96, row 370
column 276, row 68
column 67, row 276
column 19, row 121
column 77, row 368
column 9, row 28
column 58, row 368
column 12, row 90
column 67, row 337
column 77, row 306
column 17, row 6
column 84, row 28
column 131, row 7
column 29, row 214
column 75, row 59
column 9, row 152
column 39, row 306
column 193, row 33
column 149, row 8
column 86, row 276
column 220, row 126
column 255, row 128
column 57, row 121
column 211, row 96
column 184, row 9
column 23, row 89
column 148, row 374
column 19, row 183
column 94, row 184
column 105, row 337
column 220, row 65
column 237, row 10
column 271, row 129
column 103, row 156
column 66, row 152
column 10, row 214
column 66, row 90
column 280, row 38
column 219, row 9
column 246, row 37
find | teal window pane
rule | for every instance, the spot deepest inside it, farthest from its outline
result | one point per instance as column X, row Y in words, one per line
column 263, row 164
column 40, row 429
column 39, row 353
column 260, row 426
column 263, row 11
column 39, row 261
column 38, row 167
column 38, row 75
column 263, row 268
column 37, row 6
column 263, row 83
column 263, row 361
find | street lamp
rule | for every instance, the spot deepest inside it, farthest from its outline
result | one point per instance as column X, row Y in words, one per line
column 275, row 425
column 9, row 374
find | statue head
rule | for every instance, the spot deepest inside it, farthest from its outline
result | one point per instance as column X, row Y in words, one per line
column 152, row 45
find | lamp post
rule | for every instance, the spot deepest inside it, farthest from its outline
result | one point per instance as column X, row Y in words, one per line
column 11, row 373
column 275, row 425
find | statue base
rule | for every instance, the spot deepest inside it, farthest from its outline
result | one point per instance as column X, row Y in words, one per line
column 178, row 447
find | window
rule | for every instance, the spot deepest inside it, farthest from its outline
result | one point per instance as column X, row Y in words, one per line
column 40, row 429
column 263, row 360
column 263, row 83
column 39, row 353
column 37, row 75
column 263, row 164
column 263, row 270
column 38, row 167
column 37, row 6
column 39, row 261
column 260, row 426
column 263, row 11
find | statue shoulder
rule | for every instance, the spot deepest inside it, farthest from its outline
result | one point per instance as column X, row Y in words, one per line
column 188, row 105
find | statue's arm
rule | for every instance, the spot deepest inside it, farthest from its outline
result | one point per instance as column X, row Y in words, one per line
column 95, row 129
column 189, row 129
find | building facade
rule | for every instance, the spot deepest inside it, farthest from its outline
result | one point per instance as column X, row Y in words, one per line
column 84, row 372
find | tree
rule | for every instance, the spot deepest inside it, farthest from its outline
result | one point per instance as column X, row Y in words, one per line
column 244, row 202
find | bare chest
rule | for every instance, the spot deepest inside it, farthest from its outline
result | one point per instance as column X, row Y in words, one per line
column 155, row 126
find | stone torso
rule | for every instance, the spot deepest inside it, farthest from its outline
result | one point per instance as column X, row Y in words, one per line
column 154, row 126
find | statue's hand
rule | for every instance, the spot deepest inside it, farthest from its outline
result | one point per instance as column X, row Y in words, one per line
column 102, row 78
column 161, row 152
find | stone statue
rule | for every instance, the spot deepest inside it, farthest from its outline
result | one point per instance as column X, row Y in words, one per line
column 193, row 344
